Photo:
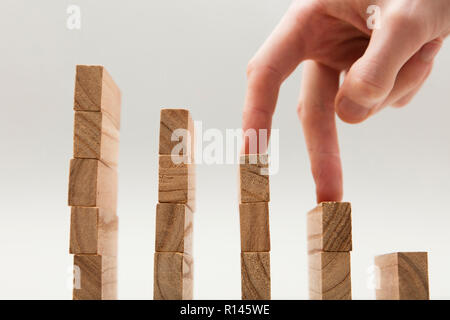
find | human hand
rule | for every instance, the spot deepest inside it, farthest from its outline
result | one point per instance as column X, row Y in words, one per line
column 383, row 67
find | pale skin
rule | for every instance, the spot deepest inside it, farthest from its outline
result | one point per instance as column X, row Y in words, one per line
column 383, row 67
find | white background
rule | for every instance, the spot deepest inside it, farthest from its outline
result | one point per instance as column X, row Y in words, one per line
column 194, row 53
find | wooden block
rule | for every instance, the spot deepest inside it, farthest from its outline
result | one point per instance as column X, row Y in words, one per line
column 255, row 275
column 255, row 233
column 95, row 137
column 254, row 178
column 176, row 181
column 173, row 276
column 93, row 184
column 93, row 232
column 95, row 277
column 171, row 120
column 330, row 228
column 95, row 90
column 403, row 276
column 174, row 227
column 330, row 276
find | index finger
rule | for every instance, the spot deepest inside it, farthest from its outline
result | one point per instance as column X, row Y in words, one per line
column 273, row 63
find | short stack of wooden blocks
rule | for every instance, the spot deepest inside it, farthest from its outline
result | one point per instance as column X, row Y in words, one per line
column 173, row 262
column 254, row 227
column 402, row 276
column 93, row 184
column 329, row 245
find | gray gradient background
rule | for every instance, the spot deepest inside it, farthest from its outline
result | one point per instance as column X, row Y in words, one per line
column 194, row 53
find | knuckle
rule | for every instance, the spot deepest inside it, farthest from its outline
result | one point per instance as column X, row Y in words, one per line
column 367, row 86
column 370, row 78
column 439, row 40
column 436, row 42
column 250, row 67
column 407, row 21
column 300, row 109
column 401, row 104
column 255, row 111
column 263, row 71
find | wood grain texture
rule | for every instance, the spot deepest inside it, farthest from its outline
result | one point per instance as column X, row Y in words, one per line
column 173, row 276
column 96, row 91
column 176, row 181
column 97, row 277
column 93, row 232
column 403, row 276
column 255, row 276
column 95, row 137
column 170, row 121
column 254, row 179
column 93, row 184
column 330, row 276
column 255, row 230
column 330, row 228
column 174, row 228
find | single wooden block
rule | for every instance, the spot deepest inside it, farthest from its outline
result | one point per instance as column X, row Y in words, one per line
column 95, row 90
column 174, row 227
column 95, row 277
column 255, row 275
column 93, row 232
column 330, row 276
column 95, row 137
column 93, row 184
column 330, row 227
column 402, row 276
column 173, row 276
column 184, row 143
column 176, row 181
column 254, row 178
column 255, row 231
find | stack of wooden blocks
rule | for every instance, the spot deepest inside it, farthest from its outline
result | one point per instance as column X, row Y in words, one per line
column 254, row 227
column 402, row 276
column 94, row 222
column 329, row 245
column 173, row 262
column 93, row 184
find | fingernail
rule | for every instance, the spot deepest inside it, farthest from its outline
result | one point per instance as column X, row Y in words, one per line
column 351, row 111
column 429, row 51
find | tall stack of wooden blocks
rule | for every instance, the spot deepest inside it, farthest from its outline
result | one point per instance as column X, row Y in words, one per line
column 173, row 262
column 402, row 276
column 329, row 245
column 93, row 184
column 254, row 227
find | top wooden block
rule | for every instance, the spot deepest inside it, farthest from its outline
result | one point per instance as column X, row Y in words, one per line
column 254, row 178
column 184, row 142
column 330, row 227
column 403, row 276
column 95, row 90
